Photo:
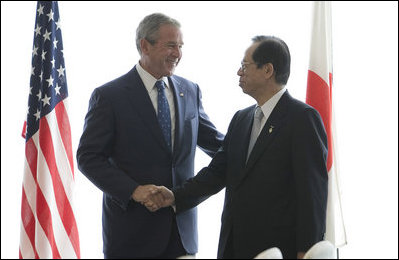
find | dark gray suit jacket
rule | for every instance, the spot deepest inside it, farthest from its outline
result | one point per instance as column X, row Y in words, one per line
column 276, row 199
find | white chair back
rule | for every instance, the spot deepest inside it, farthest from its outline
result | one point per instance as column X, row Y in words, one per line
column 321, row 250
column 186, row 257
column 271, row 253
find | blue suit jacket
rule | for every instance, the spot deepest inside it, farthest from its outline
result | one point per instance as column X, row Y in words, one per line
column 278, row 197
column 122, row 146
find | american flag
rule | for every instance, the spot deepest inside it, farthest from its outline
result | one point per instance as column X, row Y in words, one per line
column 48, row 225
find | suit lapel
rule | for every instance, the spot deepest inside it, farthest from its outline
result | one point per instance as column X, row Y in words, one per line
column 241, row 138
column 142, row 102
column 268, row 133
column 245, row 131
column 179, row 94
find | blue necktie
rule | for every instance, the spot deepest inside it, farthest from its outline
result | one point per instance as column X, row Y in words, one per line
column 164, row 113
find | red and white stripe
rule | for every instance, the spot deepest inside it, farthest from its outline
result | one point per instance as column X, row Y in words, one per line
column 319, row 96
column 48, row 226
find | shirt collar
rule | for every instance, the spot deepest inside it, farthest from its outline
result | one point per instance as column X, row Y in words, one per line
column 148, row 79
column 268, row 107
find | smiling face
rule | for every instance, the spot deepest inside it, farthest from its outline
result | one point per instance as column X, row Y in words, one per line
column 161, row 58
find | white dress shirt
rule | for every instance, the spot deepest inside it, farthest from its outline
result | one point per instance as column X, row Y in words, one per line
column 149, row 83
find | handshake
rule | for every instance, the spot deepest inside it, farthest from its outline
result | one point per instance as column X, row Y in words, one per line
column 153, row 197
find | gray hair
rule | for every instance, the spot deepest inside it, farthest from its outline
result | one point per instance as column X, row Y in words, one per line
column 149, row 27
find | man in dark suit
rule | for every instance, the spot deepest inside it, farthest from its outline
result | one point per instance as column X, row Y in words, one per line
column 272, row 164
column 142, row 129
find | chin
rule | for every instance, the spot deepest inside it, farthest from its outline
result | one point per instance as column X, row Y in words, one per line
column 167, row 73
column 170, row 72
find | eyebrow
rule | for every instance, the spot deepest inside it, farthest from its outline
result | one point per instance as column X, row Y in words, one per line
column 173, row 42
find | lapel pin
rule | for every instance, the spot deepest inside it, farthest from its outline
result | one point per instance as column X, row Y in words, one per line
column 181, row 94
column 271, row 129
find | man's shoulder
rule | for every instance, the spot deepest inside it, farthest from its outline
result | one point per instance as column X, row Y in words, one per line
column 116, row 85
column 296, row 105
column 299, row 109
column 244, row 113
column 182, row 81
column 179, row 78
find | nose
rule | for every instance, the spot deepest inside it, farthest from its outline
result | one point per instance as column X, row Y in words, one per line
column 239, row 72
column 177, row 52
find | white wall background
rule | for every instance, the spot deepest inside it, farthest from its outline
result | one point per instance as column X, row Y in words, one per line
column 98, row 40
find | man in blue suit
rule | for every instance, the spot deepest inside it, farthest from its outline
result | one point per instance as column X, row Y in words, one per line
column 143, row 129
column 272, row 164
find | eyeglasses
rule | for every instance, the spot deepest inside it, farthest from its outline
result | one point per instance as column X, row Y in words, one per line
column 244, row 65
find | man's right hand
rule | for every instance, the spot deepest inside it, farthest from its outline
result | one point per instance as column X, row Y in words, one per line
column 168, row 198
column 153, row 197
column 142, row 194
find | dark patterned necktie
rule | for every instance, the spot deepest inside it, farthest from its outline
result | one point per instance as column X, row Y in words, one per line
column 164, row 113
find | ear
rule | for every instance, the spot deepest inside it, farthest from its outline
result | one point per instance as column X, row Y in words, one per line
column 144, row 45
column 269, row 70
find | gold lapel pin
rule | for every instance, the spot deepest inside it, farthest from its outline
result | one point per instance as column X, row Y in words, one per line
column 271, row 129
column 181, row 94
